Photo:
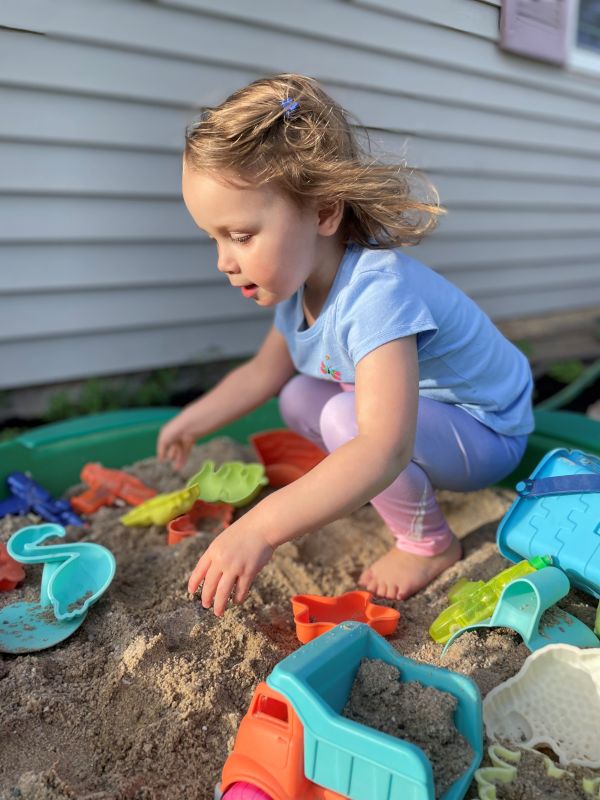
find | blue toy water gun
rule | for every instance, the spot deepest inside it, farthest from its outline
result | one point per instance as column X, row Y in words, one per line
column 28, row 496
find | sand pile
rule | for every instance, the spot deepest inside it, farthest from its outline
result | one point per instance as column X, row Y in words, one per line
column 144, row 700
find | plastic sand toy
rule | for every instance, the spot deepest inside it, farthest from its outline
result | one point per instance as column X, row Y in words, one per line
column 505, row 768
column 161, row 509
column 286, row 455
column 558, row 512
column 526, row 606
column 234, row 482
column 474, row 601
column 75, row 575
column 554, row 700
column 106, row 486
column 314, row 614
column 200, row 514
column 294, row 742
column 11, row 572
column 26, row 495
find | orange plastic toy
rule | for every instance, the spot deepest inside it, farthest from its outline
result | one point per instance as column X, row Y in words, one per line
column 219, row 514
column 314, row 615
column 286, row 455
column 11, row 572
column 271, row 726
column 108, row 485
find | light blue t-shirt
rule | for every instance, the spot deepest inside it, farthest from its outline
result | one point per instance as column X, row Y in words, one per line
column 381, row 295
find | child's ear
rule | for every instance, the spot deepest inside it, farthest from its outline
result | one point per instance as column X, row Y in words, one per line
column 330, row 218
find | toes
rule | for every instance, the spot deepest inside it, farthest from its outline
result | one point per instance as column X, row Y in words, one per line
column 381, row 589
column 365, row 578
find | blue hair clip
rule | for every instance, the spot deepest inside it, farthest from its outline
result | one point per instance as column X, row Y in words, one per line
column 289, row 106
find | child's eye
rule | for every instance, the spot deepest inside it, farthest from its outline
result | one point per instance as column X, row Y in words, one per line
column 241, row 239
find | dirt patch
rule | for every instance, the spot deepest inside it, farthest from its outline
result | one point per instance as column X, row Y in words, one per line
column 143, row 701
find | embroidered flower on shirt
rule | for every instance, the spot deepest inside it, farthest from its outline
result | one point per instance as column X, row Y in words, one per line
column 327, row 370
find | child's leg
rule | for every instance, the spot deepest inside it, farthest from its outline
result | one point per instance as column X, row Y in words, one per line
column 300, row 403
column 452, row 451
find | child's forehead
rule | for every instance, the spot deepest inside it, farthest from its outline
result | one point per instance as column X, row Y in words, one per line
column 222, row 200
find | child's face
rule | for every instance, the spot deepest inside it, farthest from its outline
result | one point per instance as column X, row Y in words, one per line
column 265, row 244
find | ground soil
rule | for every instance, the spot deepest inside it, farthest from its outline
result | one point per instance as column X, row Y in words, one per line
column 143, row 701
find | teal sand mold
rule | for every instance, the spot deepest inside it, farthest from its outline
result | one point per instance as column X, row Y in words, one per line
column 75, row 575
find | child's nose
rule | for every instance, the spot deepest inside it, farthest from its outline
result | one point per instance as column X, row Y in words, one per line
column 226, row 264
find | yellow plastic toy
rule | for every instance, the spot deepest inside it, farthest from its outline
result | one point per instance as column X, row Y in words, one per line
column 162, row 509
column 474, row 601
column 234, row 482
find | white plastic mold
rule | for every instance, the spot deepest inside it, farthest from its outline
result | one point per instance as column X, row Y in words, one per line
column 553, row 700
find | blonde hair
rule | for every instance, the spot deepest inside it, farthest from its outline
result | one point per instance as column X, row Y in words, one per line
column 286, row 130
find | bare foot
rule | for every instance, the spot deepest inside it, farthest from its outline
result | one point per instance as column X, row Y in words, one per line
column 398, row 574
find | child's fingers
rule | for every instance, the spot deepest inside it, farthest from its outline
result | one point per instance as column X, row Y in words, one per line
column 211, row 581
column 161, row 448
column 198, row 574
column 223, row 594
column 183, row 453
column 242, row 589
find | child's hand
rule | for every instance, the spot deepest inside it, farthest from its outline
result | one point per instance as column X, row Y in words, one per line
column 234, row 558
column 176, row 440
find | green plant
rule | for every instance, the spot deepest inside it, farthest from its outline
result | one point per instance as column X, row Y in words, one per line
column 524, row 346
column 10, row 433
column 60, row 407
column 566, row 371
column 97, row 395
column 155, row 390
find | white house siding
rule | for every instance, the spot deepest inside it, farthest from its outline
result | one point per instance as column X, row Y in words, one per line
column 101, row 270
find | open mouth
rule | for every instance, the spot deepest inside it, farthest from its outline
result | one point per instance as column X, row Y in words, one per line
column 250, row 290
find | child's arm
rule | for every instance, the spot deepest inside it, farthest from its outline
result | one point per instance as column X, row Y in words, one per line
column 242, row 390
column 386, row 410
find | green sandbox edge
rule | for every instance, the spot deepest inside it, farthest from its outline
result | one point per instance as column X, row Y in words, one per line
column 55, row 454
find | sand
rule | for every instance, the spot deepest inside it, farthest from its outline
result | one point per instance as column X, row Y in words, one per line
column 144, row 700
column 413, row 712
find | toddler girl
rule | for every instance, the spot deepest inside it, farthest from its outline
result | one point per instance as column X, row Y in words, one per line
column 380, row 361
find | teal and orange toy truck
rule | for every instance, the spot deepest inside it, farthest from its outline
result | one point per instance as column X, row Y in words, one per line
column 294, row 744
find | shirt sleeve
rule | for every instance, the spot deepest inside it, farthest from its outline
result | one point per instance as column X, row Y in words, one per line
column 378, row 307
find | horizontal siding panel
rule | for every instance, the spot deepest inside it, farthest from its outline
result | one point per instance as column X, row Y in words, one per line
column 58, row 267
column 38, row 361
column 98, row 219
column 93, row 219
column 33, row 115
column 478, row 222
column 69, row 170
column 417, row 116
column 39, row 315
column 485, row 254
column 480, row 284
column 46, row 63
column 469, row 16
column 148, row 28
column 463, row 15
column 205, row 78
column 490, row 191
column 61, row 169
column 475, row 157
column 512, row 305
column 94, row 170
column 36, row 116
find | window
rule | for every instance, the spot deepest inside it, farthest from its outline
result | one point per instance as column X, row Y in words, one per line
column 588, row 25
column 585, row 48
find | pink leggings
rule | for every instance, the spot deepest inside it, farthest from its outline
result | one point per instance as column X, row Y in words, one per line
column 452, row 451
